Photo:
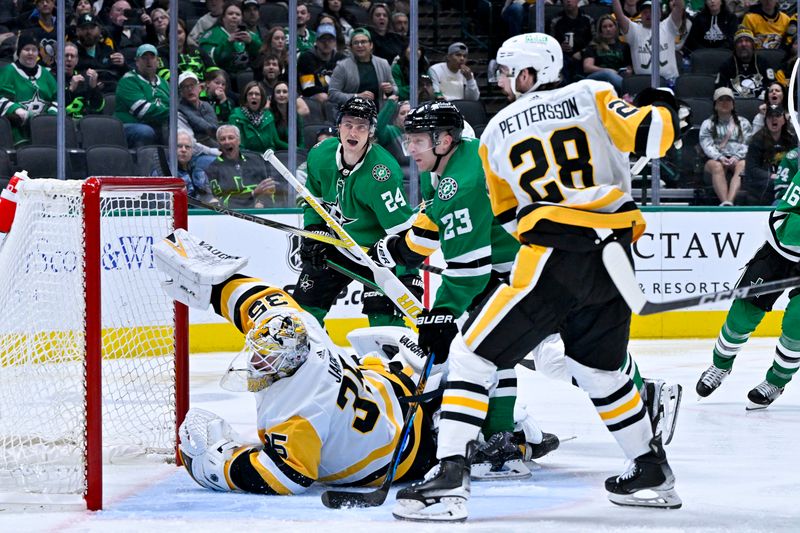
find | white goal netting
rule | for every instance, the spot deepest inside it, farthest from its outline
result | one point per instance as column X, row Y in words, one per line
column 43, row 381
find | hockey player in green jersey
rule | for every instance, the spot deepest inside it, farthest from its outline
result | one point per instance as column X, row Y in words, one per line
column 360, row 184
column 777, row 258
column 26, row 88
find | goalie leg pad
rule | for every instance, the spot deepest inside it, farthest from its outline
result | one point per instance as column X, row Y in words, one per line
column 208, row 445
column 192, row 266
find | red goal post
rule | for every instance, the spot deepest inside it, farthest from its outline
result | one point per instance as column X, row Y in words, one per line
column 88, row 334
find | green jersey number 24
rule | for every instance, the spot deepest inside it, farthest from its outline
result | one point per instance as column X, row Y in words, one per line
column 393, row 200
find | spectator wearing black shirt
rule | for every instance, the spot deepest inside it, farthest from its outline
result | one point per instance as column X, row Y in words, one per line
column 127, row 35
column 83, row 96
column 713, row 27
column 237, row 178
column 94, row 53
column 42, row 24
column 315, row 66
column 607, row 58
column 746, row 73
column 764, row 153
column 387, row 44
column 573, row 29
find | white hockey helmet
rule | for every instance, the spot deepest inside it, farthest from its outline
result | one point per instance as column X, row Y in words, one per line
column 274, row 348
column 538, row 51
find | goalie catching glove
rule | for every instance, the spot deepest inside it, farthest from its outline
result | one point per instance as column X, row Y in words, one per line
column 193, row 266
column 437, row 329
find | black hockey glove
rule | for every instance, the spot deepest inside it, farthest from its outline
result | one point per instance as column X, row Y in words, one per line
column 381, row 252
column 437, row 329
column 315, row 252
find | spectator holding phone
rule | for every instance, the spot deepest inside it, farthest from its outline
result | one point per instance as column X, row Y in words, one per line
column 126, row 29
column 229, row 44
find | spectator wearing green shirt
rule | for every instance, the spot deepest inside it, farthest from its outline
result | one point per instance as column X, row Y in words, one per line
column 390, row 120
column 255, row 121
column 305, row 37
column 229, row 44
column 142, row 100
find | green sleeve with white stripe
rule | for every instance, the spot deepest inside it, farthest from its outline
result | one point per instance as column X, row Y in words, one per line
column 465, row 226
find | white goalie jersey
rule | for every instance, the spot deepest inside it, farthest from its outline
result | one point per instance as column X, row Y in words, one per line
column 562, row 156
column 334, row 420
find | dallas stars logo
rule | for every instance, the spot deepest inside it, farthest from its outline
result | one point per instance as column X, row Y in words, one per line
column 335, row 210
column 305, row 283
column 35, row 105
column 447, row 188
column 381, row 172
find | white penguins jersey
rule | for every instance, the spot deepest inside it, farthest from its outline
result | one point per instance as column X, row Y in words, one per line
column 334, row 420
column 562, row 155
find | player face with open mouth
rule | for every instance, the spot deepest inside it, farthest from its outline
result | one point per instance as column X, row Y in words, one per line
column 354, row 134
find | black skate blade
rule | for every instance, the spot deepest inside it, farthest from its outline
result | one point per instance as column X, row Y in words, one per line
column 335, row 499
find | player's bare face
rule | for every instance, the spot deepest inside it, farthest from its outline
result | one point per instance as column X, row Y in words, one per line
column 354, row 133
column 419, row 147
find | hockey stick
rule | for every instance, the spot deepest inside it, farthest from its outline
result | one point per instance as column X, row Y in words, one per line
column 285, row 227
column 336, row 499
column 385, row 278
column 265, row 222
column 621, row 272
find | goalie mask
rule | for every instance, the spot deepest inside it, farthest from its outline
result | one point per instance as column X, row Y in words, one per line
column 538, row 51
column 274, row 348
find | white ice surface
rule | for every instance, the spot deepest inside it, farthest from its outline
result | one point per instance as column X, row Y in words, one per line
column 735, row 471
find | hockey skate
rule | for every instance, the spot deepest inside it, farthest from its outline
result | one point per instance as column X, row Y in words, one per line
column 533, row 451
column 499, row 458
column 662, row 402
column 440, row 497
column 763, row 395
column 710, row 380
column 647, row 482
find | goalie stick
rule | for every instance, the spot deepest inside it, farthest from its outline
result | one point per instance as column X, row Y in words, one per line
column 621, row 272
column 284, row 227
column 337, row 499
column 392, row 287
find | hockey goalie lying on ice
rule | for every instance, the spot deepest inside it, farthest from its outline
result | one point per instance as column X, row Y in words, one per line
column 322, row 415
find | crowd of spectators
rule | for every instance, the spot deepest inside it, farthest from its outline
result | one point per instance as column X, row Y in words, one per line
column 233, row 63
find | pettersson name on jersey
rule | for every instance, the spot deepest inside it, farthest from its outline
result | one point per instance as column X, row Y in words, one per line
column 538, row 112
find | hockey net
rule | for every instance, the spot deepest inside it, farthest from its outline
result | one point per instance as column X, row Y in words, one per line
column 92, row 351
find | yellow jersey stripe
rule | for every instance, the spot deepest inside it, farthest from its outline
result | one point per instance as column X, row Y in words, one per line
column 500, row 192
column 227, row 292
column 587, row 219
